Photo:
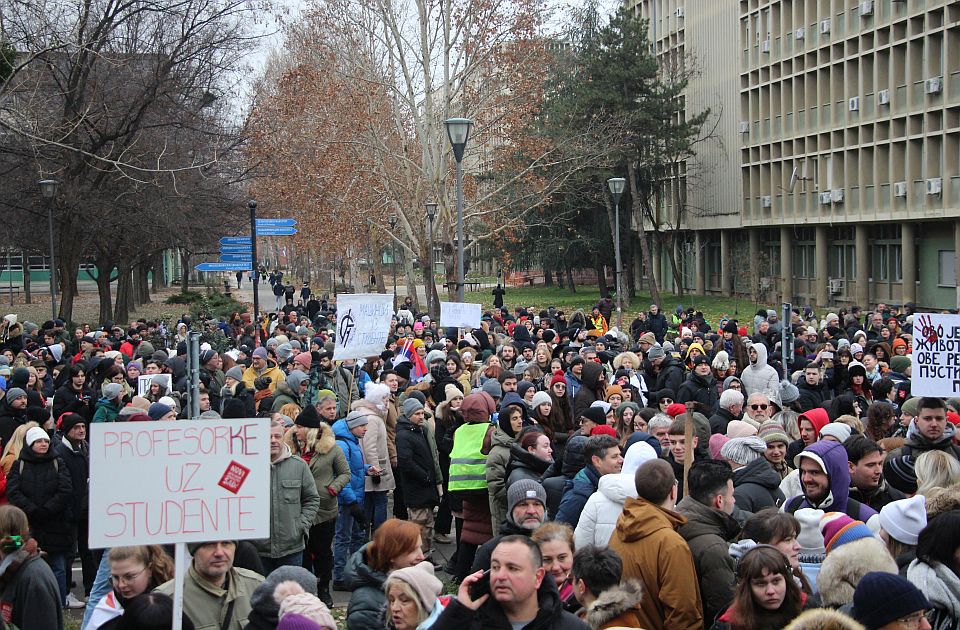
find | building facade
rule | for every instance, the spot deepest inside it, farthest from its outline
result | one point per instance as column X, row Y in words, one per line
column 834, row 177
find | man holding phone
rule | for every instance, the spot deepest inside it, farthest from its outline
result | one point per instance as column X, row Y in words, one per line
column 520, row 594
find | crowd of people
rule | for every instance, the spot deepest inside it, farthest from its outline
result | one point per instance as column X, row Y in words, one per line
column 673, row 475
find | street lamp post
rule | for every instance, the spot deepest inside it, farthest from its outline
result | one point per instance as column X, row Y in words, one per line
column 458, row 131
column 48, row 188
column 431, row 215
column 617, row 185
column 393, row 259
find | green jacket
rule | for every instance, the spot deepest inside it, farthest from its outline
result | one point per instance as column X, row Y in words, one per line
column 107, row 411
column 207, row 605
column 330, row 469
column 293, row 506
column 498, row 457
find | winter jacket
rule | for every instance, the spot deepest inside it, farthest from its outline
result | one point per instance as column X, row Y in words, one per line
column 67, row 400
column 590, row 379
column 760, row 377
column 293, row 506
column 40, row 486
column 573, row 384
column 29, row 595
column 498, row 457
column 708, row 532
column 942, row 587
column 602, row 510
column 77, row 461
column 879, row 496
column 812, row 396
column 833, row 459
column 417, row 458
column 350, row 445
column 374, row 446
column 757, row 486
column 917, row 444
column 207, row 606
column 670, row 376
column 554, row 480
column 242, row 393
column 845, row 565
column 107, row 411
column 272, row 371
column 330, row 469
column 339, row 381
column 284, row 395
column 368, row 600
column 490, row 616
column 653, row 552
column 10, row 419
column 525, row 465
column 616, row 607
column 576, row 492
column 701, row 390
column 657, row 324
column 720, row 420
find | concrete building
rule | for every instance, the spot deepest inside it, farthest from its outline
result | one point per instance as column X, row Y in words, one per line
column 836, row 177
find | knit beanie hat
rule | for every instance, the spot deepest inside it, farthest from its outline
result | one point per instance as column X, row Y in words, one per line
column 603, row 429
column 810, row 536
column 451, row 391
column 611, row 390
column 34, row 434
column 839, row 529
column 357, row 418
column 717, row 440
column 158, row 410
column 838, row 430
column 603, row 405
column 655, row 352
column 264, row 600
column 260, row 353
column 558, row 377
column 15, row 392
column 111, row 391
column 904, row 519
column 477, row 407
column 304, row 611
column 676, row 409
column 492, row 387
column 881, row 598
column 772, row 431
column 411, row 406
column 648, row 337
column 69, row 420
column 541, row 398
column 788, row 392
column 236, row 373
column 522, row 490
column 899, row 473
column 743, row 450
column 595, row 415
column 308, row 418
column 739, row 428
column 421, row 579
column 304, row 359
column 899, row 363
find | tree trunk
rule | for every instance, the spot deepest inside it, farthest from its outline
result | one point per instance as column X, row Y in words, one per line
column 629, row 280
column 675, row 266
column 430, row 286
column 25, row 258
column 104, row 269
column 547, row 278
column 124, row 294
column 410, row 275
column 159, row 278
column 644, row 246
column 560, row 276
column 601, row 279
column 68, row 263
column 185, row 271
column 570, row 284
column 142, row 283
column 450, row 270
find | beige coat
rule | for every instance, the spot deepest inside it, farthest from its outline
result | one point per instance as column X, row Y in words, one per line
column 375, row 448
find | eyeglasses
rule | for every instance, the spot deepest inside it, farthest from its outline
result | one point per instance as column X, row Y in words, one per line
column 913, row 621
column 128, row 578
column 666, row 401
column 756, row 407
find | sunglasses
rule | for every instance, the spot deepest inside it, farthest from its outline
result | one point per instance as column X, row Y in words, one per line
column 666, row 401
column 756, row 407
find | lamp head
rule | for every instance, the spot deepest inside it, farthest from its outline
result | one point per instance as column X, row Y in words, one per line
column 458, row 131
column 431, row 210
column 48, row 187
column 617, row 186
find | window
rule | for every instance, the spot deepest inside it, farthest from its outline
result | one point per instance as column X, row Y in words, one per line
column 947, row 272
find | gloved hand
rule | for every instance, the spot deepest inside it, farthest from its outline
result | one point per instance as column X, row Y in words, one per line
column 357, row 513
column 332, row 491
column 262, row 382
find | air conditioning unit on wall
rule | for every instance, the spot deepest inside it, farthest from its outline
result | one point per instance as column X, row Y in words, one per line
column 853, row 103
column 800, row 33
column 836, row 286
column 866, row 8
column 900, row 189
column 836, row 195
column 680, row 12
column 825, row 198
column 766, row 201
column 824, row 26
column 934, row 85
column 934, row 186
column 883, row 97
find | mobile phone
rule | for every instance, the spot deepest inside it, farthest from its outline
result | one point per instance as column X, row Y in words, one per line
column 826, row 355
column 481, row 587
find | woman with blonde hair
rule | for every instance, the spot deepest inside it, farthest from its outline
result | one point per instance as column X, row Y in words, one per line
column 133, row 571
column 413, row 598
column 11, row 451
column 557, row 547
column 936, row 469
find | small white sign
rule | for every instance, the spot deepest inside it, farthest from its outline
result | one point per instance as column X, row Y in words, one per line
column 460, row 314
column 363, row 325
column 935, row 358
column 145, row 380
column 155, row 483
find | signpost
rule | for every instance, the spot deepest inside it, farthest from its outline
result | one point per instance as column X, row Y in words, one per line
column 236, row 248
column 235, row 240
column 276, row 231
column 262, row 223
column 154, row 483
column 229, row 257
column 225, row 266
column 460, row 314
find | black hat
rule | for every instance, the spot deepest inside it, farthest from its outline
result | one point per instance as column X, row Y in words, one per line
column 309, row 418
column 403, row 370
column 69, row 420
column 700, row 359
column 730, row 327
column 206, row 356
column 595, row 415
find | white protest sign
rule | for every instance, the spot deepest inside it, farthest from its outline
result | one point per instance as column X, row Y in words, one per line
column 936, row 355
column 145, row 380
column 363, row 324
column 155, row 483
column 460, row 314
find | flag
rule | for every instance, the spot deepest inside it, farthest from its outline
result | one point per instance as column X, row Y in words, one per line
column 408, row 353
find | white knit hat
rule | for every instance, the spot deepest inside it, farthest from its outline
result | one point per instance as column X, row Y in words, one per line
column 540, row 398
column 904, row 519
column 34, row 434
column 837, row 430
column 810, row 536
column 743, row 450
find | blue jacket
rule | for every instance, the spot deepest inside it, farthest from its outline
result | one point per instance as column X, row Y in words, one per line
column 575, row 494
column 350, row 445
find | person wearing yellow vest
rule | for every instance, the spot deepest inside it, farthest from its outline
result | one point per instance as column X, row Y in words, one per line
column 468, row 479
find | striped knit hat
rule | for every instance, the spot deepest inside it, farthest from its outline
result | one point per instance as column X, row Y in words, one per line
column 839, row 529
column 772, row 431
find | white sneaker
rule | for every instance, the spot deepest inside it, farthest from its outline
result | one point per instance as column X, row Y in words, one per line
column 73, row 602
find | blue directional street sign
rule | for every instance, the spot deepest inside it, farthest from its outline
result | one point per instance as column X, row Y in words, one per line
column 236, row 258
column 262, row 223
column 224, row 266
column 236, row 249
column 276, row 231
column 235, row 240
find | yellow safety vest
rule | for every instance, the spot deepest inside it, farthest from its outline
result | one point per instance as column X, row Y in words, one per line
column 467, row 463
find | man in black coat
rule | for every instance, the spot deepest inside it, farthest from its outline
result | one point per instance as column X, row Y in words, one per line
column 669, row 372
column 73, row 450
column 813, row 392
column 730, row 408
column 419, row 466
column 700, row 387
column 656, row 323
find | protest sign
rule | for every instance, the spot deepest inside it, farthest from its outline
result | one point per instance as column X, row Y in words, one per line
column 363, row 324
column 460, row 314
column 935, row 360
column 144, row 381
column 157, row 483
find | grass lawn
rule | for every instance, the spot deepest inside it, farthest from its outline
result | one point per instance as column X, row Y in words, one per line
column 713, row 307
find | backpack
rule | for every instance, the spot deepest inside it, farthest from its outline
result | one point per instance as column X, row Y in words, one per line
column 853, row 506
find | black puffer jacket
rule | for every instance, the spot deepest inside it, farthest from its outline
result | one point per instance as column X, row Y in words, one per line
column 417, row 459
column 556, row 476
column 701, row 390
column 40, row 486
column 78, row 464
column 590, row 378
column 367, row 603
column 757, row 486
column 67, row 400
column 670, row 375
column 525, row 465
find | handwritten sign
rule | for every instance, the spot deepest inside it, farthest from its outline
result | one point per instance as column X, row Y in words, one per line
column 460, row 314
column 363, row 324
column 175, row 482
column 936, row 355
column 145, row 380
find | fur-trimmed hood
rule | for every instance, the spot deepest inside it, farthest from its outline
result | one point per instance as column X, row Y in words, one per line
column 943, row 500
column 325, row 440
column 613, row 602
column 844, row 566
column 824, row 619
column 366, row 405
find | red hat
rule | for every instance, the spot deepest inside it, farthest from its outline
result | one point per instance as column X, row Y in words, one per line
column 558, row 377
column 953, row 418
column 604, row 429
column 742, row 331
column 676, row 409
